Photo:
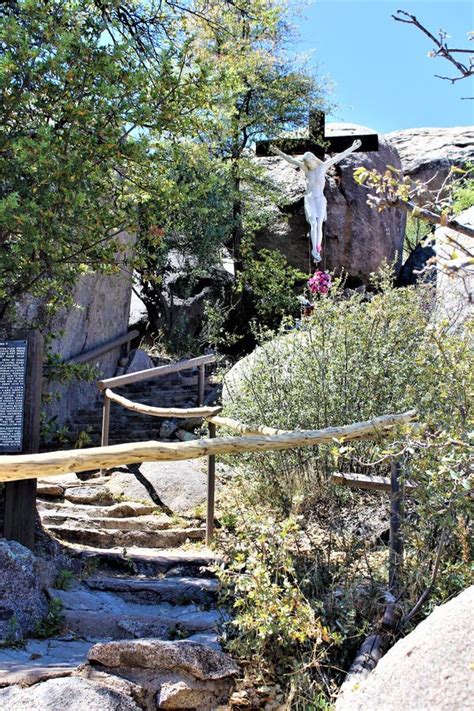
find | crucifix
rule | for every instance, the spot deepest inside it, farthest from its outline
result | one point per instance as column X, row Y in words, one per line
column 313, row 150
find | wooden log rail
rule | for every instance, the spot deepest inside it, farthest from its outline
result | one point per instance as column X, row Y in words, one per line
column 371, row 483
column 160, row 370
column 32, row 466
column 256, row 439
column 162, row 411
column 237, row 426
column 148, row 374
column 99, row 351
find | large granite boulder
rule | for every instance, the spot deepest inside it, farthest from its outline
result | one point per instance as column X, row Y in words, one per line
column 429, row 670
column 455, row 273
column 100, row 313
column 429, row 153
column 357, row 238
column 22, row 598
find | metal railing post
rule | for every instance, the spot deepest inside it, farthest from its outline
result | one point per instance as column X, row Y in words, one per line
column 201, row 384
column 104, row 440
column 211, row 489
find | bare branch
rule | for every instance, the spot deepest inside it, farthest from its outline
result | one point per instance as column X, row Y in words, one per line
column 441, row 49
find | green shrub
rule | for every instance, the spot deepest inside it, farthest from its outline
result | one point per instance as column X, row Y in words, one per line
column 356, row 358
column 53, row 622
column 64, row 580
column 272, row 617
column 353, row 360
column 272, row 283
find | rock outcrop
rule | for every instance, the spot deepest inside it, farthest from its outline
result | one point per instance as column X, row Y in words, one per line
column 455, row 274
column 357, row 238
column 100, row 313
column 429, row 153
column 74, row 694
column 176, row 674
column 429, row 670
column 22, row 599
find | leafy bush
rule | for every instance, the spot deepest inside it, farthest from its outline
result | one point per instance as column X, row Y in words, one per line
column 53, row 622
column 463, row 191
column 272, row 282
column 354, row 359
column 272, row 614
column 64, row 579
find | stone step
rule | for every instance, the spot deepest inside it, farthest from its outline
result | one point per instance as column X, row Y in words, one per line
column 87, row 611
column 110, row 538
column 146, row 524
column 177, row 590
column 56, row 657
column 41, row 659
column 192, row 561
column 123, row 509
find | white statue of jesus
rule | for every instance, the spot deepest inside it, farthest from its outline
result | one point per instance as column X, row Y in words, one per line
column 314, row 201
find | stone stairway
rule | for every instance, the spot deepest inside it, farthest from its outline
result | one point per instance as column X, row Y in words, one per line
column 140, row 580
column 173, row 390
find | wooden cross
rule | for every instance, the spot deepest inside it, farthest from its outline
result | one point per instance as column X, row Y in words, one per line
column 317, row 142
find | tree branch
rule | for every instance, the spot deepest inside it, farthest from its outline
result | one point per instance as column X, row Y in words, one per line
column 428, row 216
column 441, row 49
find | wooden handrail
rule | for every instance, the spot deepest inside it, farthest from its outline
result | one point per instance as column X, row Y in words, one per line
column 31, row 466
column 155, row 372
column 102, row 350
column 162, row 411
column 364, row 481
column 241, row 427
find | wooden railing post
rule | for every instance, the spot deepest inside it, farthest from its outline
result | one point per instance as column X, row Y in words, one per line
column 211, row 489
column 201, row 384
column 104, row 440
column 396, row 518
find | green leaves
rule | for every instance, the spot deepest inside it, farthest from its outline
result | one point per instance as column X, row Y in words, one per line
column 83, row 89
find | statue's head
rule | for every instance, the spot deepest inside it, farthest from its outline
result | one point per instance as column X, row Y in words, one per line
column 310, row 160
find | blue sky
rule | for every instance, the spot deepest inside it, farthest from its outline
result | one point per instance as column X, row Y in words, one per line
column 380, row 70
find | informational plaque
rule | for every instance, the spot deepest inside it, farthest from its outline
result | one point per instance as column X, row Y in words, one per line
column 13, row 356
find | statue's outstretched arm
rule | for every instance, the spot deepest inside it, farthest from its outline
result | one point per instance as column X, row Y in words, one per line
column 288, row 159
column 340, row 156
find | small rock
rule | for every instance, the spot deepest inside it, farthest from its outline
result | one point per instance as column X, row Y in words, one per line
column 50, row 490
column 184, row 436
column 89, row 495
column 139, row 628
column 191, row 423
column 192, row 695
column 167, row 429
column 128, row 509
column 139, row 360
